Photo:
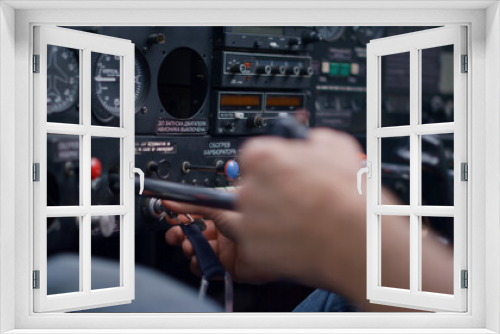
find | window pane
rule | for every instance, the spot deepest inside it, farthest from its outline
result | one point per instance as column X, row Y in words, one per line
column 106, row 89
column 105, row 247
column 395, row 171
column 105, row 171
column 63, row 170
column 395, row 265
column 63, row 255
column 437, row 170
column 437, row 84
column 395, row 94
column 437, row 238
column 63, row 84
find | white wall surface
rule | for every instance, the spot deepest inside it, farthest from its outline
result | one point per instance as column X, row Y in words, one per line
column 492, row 163
column 7, row 165
column 484, row 170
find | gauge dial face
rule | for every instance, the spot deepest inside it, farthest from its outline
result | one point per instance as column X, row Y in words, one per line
column 62, row 78
column 183, row 83
column 106, row 82
column 330, row 34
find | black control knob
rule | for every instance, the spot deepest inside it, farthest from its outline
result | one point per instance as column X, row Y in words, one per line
column 229, row 126
column 152, row 167
column 278, row 69
column 307, row 70
column 264, row 69
column 295, row 70
column 162, row 168
column 238, row 68
column 295, row 41
column 256, row 122
column 157, row 38
column 311, row 37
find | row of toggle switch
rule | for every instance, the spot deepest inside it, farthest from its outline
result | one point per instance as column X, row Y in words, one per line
column 230, row 169
column 244, row 68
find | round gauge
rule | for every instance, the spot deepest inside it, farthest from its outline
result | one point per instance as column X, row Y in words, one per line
column 62, row 79
column 366, row 34
column 106, row 85
column 183, row 83
column 330, row 34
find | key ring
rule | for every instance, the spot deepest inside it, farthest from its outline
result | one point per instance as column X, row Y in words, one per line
column 210, row 265
column 228, row 290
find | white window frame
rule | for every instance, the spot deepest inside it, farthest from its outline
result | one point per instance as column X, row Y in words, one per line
column 483, row 22
column 413, row 44
column 85, row 43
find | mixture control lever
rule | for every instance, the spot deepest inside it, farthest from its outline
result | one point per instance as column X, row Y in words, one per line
column 230, row 169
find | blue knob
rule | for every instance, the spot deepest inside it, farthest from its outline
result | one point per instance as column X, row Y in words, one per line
column 231, row 170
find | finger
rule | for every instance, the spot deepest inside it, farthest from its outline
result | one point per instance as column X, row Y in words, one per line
column 187, row 248
column 210, row 231
column 228, row 225
column 181, row 218
column 175, row 221
column 178, row 207
column 174, row 236
column 193, row 266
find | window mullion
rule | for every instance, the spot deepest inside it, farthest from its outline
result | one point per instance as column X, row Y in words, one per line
column 85, row 168
column 82, row 258
column 414, row 169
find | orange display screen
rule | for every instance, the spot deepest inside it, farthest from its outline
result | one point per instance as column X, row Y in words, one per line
column 235, row 100
column 284, row 101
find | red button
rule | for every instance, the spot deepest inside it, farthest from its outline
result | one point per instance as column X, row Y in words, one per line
column 248, row 65
column 95, row 168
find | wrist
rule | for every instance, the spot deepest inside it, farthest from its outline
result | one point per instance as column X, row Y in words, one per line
column 342, row 268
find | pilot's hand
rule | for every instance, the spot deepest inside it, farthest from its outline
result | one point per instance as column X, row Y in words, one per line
column 221, row 233
column 302, row 215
